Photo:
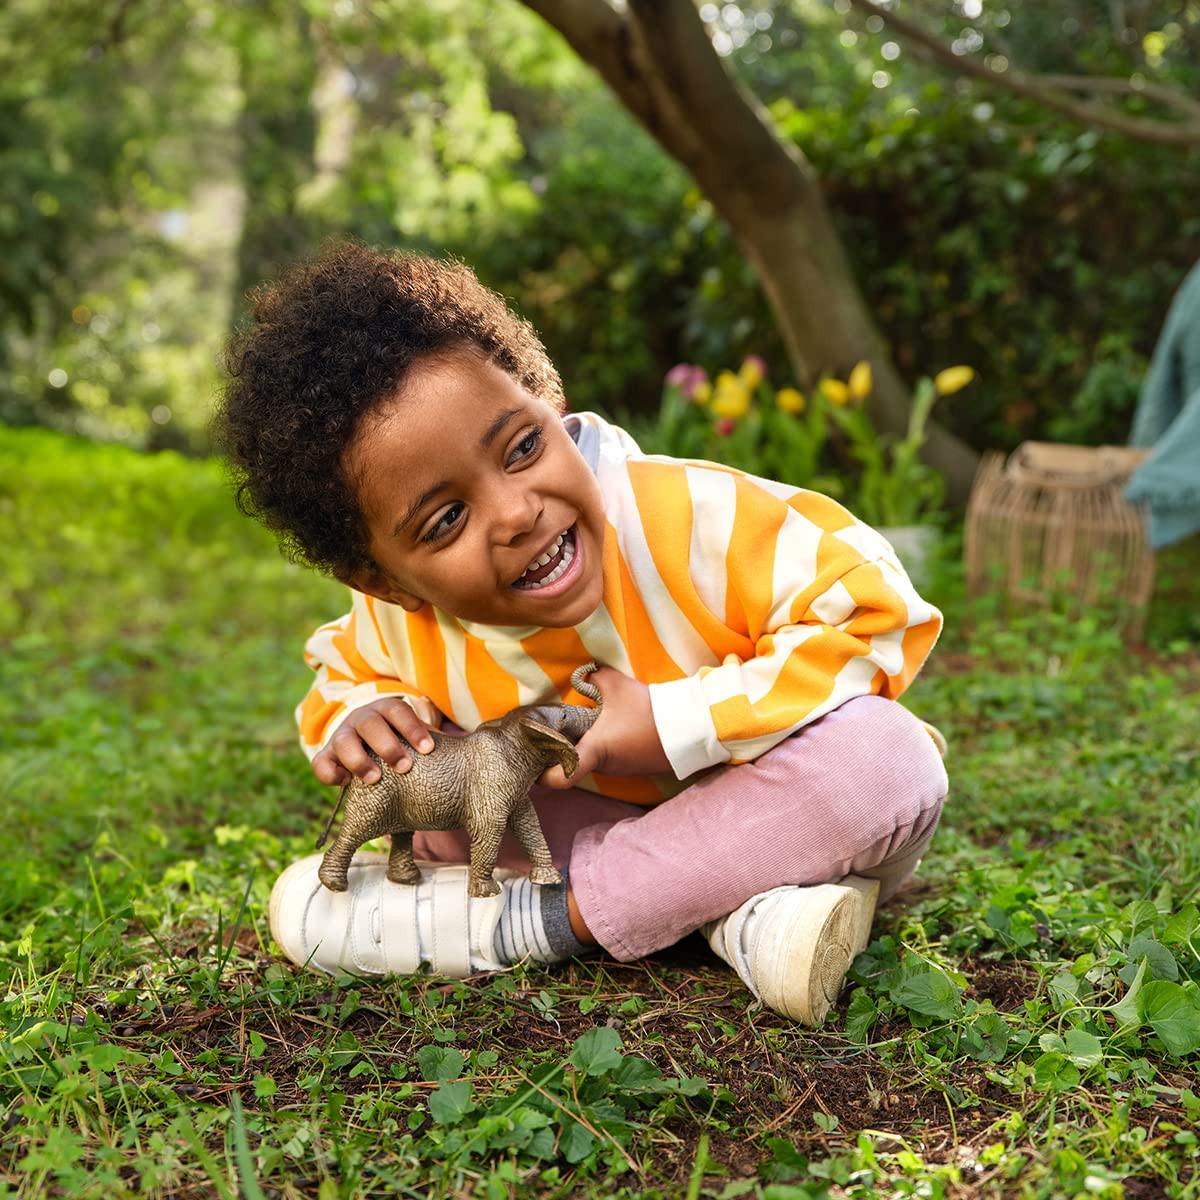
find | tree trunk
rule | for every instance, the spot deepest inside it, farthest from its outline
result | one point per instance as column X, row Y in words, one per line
column 657, row 58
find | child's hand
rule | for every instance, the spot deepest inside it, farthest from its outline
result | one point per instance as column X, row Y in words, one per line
column 623, row 741
column 375, row 725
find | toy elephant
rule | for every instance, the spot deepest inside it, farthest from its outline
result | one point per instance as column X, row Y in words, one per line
column 479, row 782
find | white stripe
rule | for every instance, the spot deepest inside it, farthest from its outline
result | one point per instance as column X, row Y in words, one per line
column 331, row 657
column 835, row 605
column 463, row 709
column 602, row 641
column 887, row 651
column 685, row 726
column 713, row 509
column 394, row 629
column 795, row 565
column 867, row 541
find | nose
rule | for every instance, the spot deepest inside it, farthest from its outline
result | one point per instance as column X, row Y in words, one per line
column 517, row 513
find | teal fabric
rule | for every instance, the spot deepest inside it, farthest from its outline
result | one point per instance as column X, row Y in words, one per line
column 1168, row 420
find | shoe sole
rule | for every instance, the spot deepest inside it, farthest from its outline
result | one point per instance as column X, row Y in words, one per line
column 812, row 960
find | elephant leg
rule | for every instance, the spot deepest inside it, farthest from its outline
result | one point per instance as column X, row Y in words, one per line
column 401, row 868
column 335, row 864
column 485, row 849
column 523, row 821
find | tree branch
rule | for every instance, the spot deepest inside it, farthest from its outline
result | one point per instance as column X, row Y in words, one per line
column 1124, row 87
column 1034, row 87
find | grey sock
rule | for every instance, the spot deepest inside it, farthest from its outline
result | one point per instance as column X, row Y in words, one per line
column 535, row 924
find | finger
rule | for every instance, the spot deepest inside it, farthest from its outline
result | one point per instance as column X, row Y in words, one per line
column 328, row 770
column 557, row 777
column 401, row 717
column 377, row 733
column 554, row 777
column 347, row 747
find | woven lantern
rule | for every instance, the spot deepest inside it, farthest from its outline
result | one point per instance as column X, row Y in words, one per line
column 1051, row 525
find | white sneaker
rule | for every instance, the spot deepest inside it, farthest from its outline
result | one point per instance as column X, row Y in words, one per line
column 792, row 946
column 376, row 927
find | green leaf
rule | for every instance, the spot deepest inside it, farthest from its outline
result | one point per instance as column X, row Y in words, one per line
column 860, row 1015
column 1162, row 961
column 924, row 989
column 105, row 1056
column 541, row 1145
column 986, row 1037
column 451, row 1102
column 440, row 1062
column 1173, row 1014
column 1139, row 913
column 1126, row 1010
column 636, row 1072
column 1054, row 1072
column 576, row 1142
column 1182, row 926
column 1083, row 1048
column 596, row 1053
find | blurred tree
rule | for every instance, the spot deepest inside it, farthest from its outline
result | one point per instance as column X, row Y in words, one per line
column 277, row 70
column 1083, row 97
column 658, row 57
column 108, row 128
column 156, row 159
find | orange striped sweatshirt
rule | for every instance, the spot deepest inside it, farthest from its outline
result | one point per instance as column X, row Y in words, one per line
column 750, row 608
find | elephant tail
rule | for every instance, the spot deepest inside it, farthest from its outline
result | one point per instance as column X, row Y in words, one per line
column 329, row 824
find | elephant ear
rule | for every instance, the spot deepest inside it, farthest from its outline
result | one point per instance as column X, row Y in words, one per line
column 551, row 743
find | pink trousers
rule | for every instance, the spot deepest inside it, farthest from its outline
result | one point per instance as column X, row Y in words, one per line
column 858, row 792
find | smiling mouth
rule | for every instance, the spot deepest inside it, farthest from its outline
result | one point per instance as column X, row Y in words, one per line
column 550, row 565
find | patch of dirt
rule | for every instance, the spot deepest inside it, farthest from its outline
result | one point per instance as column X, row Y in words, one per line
column 1006, row 985
column 681, row 1009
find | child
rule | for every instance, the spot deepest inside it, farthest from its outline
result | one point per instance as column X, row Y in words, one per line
column 750, row 775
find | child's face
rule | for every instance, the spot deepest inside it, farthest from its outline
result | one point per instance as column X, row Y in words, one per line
column 465, row 480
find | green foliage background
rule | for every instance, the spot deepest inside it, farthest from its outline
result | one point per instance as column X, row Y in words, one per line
column 160, row 161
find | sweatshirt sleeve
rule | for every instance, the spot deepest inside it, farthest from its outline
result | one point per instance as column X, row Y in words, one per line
column 824, row 603
column 352, row 668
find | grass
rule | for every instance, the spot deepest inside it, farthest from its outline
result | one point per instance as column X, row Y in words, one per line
column 1026, row 1022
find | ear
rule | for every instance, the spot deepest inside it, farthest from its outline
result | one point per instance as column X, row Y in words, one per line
column 551, row 743
column 373, row 582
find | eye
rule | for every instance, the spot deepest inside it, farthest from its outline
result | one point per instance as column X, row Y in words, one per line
column 528, row 445
column 444, row 524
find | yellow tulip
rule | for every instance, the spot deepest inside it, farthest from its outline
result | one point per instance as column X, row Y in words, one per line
column 790, row 400
column 952, row 379
column 836, row 392
column 731, row 397
column 702, row 393
column 752, row 372
column 860, row 380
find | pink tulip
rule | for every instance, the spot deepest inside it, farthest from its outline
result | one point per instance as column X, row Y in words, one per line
column 687, row 378
column 725, row 426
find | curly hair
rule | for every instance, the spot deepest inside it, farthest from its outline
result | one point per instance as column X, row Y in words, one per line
column 331, row 340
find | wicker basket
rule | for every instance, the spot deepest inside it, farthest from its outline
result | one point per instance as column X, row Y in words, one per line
column 1050, row 525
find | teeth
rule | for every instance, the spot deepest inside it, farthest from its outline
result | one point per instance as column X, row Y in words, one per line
column 541, row 562
column 557, row 573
